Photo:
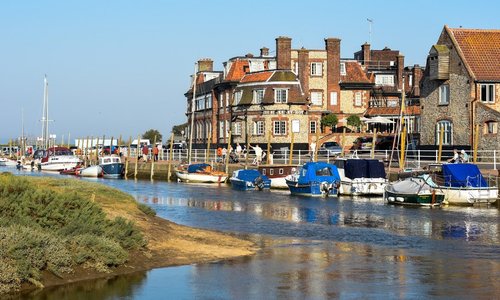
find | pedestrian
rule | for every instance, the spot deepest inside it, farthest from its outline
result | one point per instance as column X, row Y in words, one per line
column 238, row 150
column 155, row 153
column 312, row 150
column 160, row 151
column 464, row 157
column 145, row 152
column 258, row 154
column 224, row 153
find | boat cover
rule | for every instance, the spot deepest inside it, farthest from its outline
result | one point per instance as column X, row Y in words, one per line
column 318, row 171
column 409, row 186
column 249, row 175
column 463, row 175
column 193, row 168
column 364, row 168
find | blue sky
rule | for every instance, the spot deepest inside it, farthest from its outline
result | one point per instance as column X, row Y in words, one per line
column 122, row 67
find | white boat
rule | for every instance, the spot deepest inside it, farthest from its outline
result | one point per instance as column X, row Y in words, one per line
column 462, row 184
column 199, row 173
column 56, row 159
column 91, row 171
column 361, row 176
column 277, row 174
column 5, row 162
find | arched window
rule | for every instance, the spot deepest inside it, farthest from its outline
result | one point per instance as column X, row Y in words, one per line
column 447, row 132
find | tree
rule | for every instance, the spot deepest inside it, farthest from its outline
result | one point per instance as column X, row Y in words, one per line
column 329, row 120
column 354, row 121
column 178, row 129
column 150, row 134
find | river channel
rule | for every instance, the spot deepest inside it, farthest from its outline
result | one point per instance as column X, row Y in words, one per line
column 347, row 248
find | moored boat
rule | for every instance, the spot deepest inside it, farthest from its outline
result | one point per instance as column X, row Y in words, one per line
column 199, row 173
column 56, row 159
column 361, row 176
column 277, row 174
column 91, row 171
column 414, row 191
column 112, row 166
column 245, row 180
column 462, row 183
column 314, row 179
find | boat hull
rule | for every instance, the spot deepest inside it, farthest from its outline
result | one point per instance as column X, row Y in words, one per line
column 200, row 177
column 58, row 166
column 420, row 199
column 113, row 170
column 92, row 171
column 363, row 186
column 469, row 195
column 242, row 185
column 279, row 183
column 312, row 189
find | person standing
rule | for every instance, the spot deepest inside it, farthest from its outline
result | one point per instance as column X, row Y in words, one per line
column 312, row 149
column 258, row 154
column 238, row 150
column 155, row 153
column 145, row 152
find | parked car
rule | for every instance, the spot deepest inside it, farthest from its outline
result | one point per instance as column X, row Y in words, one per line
column 362, row 144
column 330, row 149
column 384, row 143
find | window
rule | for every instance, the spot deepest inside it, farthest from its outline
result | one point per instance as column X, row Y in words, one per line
column 491, row 127
column 447, row 132
column 221, row 100
column 221, row 129
column 392, row 103
column 271, row 172
column 296, row 68
column 280, row 171
column 333, row 98
column 444, row 94
column 312, row 127
column 237, row 128
column 258, row 128
column 342, row 69
column 316, row 69
column 200, row 103
column 316, row 98
column 258, row 96
column 488, row 93
column 209, row 101
column 384, row 79
column 279, row 127
column 237, row 97
column 358, row 99
column 280, row 96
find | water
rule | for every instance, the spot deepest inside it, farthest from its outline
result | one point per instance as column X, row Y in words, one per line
column 313, row 249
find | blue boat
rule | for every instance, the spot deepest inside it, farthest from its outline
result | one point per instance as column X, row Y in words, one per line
column 112, row 166
column 245, row 180
column 315, row 179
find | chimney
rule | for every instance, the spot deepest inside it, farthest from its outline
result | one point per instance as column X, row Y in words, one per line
column 417, row 77
column 400, row 66
column 283, row 53
column 264, row 51
column 333, row 72
column 303, row 68
column 205, row 65
column 365, row 48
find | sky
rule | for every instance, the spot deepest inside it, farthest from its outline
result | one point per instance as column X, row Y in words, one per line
column 121, row 67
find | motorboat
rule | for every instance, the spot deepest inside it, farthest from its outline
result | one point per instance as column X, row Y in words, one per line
column 462, row 183
column 245, row 180
column 90, row 171
column 361, row 176
column 56, row 159
column 277, row 173
column 199, row 173
column 315, row 179
column 414, row 191
column 112, row 166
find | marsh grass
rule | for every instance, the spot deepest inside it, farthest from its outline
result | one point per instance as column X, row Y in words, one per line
column 55, row 225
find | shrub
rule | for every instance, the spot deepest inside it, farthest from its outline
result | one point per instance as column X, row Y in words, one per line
column 146, row 209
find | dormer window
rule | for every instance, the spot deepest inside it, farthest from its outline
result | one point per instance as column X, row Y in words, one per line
column 237, row 97
column 280, row 95
column 258, row 96
column 384, row 79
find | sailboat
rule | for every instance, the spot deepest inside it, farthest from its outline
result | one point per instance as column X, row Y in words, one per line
column 52, row 158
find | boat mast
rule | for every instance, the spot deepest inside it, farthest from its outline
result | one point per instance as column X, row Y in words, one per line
column 45, row 114
column 192, row 115
column 23, row 142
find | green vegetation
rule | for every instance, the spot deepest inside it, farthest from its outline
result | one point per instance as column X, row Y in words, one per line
column 179, row 129
column 354, row 121
column 150, row 135
column 56, row 225
column 146, row 209
column 329, row 120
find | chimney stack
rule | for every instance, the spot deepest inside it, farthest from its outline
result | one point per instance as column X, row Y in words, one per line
column 400, row 66
column 264, row 51
column 417, row 77
column 205, row 65
column 283, row 53
column 303, row 68
column 332, row 46
column 365, row 48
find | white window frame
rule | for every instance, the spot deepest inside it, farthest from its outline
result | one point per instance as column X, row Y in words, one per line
column 343, row 71
column 258, row 127
column 313, row 126
column 279, row 94
column 333, row 98
column 279, row 128
column 358, row 99
column 444, row 94
column 258, row 96
column 316, row 69
column 384, row 79
column 237, row 97
column 236, row 128
column 316, row 98
column 488, row 95
column 447, row 133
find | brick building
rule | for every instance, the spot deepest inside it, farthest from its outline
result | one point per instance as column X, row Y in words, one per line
column 461, row 88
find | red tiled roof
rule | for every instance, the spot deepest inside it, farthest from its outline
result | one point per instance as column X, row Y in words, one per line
column 257, row 77
column 237, row 70
column 480, row 48
column 354, row 73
